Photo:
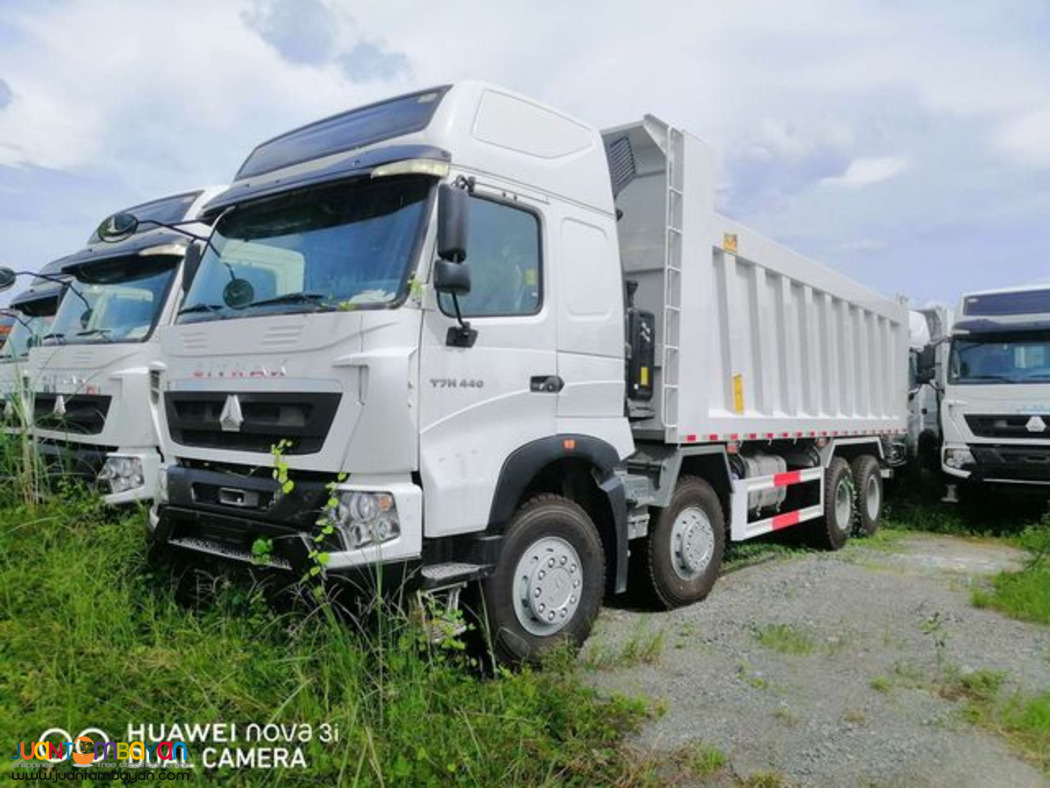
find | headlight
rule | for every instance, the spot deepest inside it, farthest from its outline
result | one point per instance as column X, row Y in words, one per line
column 957, row 458
column 364, row 518
column 122, row 473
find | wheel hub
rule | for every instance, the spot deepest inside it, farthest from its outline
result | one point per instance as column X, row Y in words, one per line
column 692, row 543
column 548, row 583
column 843, row 504
column 873, row 497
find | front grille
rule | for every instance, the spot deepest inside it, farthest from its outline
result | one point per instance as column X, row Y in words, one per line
column 303, row 420
column 85, row 414
column 1007, row 426
column 1012, row 462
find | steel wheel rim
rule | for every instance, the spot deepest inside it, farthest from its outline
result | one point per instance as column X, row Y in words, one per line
column 872, row 497
column 692, row 543
column 548, row 585
column 843, row 504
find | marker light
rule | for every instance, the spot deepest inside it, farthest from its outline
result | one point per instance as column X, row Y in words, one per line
column 439, row 169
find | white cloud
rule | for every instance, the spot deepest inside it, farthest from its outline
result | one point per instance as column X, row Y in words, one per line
column 1026, row 139
column 865, row 172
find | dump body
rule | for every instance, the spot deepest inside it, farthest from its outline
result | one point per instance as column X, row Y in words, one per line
column 753, row 340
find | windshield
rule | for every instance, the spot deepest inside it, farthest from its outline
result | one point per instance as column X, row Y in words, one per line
column 343, row 246
column 1001, row 358
column 124, row 309
column 24, row 336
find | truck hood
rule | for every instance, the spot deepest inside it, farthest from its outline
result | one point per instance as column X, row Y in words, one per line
column 341, row 386
column 997, row 412
column 106, row 383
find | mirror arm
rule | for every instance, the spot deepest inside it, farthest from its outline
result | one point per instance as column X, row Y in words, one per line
column 461, row 335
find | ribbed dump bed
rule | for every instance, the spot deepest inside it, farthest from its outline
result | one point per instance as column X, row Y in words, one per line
column 754, row 340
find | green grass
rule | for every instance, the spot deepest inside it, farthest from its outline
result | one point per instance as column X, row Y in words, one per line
column 1024, row 595
column 90, row 636
column 706, row 761
column 785, row 639
column 1023, row 720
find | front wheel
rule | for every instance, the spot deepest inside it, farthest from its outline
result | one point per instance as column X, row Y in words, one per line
column 549, row 580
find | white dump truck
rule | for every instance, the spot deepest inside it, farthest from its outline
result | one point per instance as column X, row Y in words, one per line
column 90, row 375
column 520, row 349
column 33, row 310
column 995, row 410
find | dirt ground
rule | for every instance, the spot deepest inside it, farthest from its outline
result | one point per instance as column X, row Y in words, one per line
column 824, row 668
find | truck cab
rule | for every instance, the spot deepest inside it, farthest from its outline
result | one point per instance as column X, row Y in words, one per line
column 33, row 310
column 90, row 374
column 996, row 404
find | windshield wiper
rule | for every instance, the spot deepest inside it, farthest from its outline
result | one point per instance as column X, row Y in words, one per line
column 95, row 332
column 200, row 308
column 294, row 298
column 1003, row 378
column 60, row 336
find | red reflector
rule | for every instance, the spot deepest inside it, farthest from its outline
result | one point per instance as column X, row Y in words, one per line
column 784, row 479
column 712, row 437
column 569, row 444
column 785, row 520
column 690, row 438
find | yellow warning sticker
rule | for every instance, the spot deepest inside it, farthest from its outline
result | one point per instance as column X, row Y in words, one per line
column 738, row 393
column 729, row 242
column 645, row 376
column 532, row 276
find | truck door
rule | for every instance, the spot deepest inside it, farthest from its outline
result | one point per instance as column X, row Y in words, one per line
column 479, row 404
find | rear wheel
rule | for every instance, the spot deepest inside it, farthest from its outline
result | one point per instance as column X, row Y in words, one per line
column 833, row 530
column 549, row 580
column 868, row 480
column 683, row 551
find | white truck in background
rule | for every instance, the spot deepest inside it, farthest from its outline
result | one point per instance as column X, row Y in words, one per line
column 927, row 362
column 520, row 348
column 90, row 374
column 995, row 412
column 33, row 310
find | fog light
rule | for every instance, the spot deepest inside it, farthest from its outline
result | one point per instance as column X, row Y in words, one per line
column 957, row 458
column 364, row 518
column 122, row 473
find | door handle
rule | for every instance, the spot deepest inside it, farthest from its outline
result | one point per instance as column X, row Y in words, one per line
column 546, row 384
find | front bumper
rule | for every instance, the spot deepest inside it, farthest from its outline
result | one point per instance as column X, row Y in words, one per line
column 1004, row 463
column 81, row 461
column 222, row 513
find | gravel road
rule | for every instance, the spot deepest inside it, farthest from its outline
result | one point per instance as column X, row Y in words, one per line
column 895, row 617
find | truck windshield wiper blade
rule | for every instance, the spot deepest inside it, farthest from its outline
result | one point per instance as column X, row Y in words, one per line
column 1003, row 378
column 59, row 335
column 95, row 332
column 294, row 298
column 200, row 308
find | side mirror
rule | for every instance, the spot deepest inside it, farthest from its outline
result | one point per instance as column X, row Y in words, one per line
column 7, row 278
column 190, row 263
column 453, row 210
column 926, row 369
column 117, row 227
column 451, row 278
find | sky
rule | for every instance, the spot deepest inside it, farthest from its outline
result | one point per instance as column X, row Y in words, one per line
column 905, row 144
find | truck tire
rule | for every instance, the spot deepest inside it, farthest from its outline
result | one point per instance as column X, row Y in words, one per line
column 683, row 551
column 834, row 528
column 867, row 478
column 548, row 583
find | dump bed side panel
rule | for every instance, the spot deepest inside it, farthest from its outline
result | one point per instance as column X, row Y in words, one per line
column 753, row 339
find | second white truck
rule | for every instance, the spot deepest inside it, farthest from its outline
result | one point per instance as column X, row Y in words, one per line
column 995, row 409
column 521, row 350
